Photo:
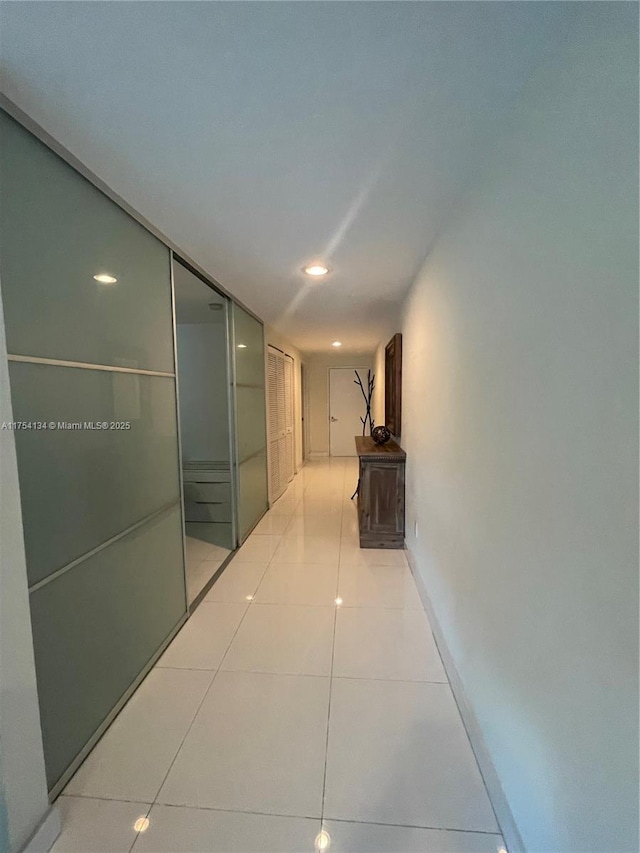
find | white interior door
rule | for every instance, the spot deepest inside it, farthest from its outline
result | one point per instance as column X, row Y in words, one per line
column 280, row 421
column 346, row 407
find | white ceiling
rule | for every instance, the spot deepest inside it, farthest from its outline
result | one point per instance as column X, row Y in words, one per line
column 261, row 136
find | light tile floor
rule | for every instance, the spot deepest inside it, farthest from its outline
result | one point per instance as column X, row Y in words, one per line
column 203, row 561
column 304, row 696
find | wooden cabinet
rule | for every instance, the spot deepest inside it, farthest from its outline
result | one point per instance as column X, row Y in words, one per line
column 380, row 493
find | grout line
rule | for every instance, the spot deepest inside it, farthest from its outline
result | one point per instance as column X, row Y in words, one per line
column 279, row 814
column 257, row 586
column 271, row 673
column 189, row 727
column 416, row 826
column 389, row 680
column 138, row 834
column 107, row 799
column 333, row 653
column 287, row 604
column 206, row 693
column 238, row 811
column 303, row 675
column 380, row 607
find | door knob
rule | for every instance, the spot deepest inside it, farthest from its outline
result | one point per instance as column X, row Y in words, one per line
column 333, row 420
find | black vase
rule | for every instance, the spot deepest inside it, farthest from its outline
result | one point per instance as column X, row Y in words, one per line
column 381, row 434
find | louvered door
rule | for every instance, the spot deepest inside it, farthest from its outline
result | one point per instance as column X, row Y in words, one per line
column 280, row 419
column 287, row 466
column 275, row 488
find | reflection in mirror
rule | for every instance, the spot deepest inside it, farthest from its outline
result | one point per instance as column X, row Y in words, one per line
column 203, row 386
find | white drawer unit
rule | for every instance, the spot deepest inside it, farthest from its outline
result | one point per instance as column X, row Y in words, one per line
column 207, row 492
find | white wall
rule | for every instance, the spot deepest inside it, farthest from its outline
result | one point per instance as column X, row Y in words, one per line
column 204, row 390
column 275, row 339
column 23, row 787
column 318, row 366
column 520, row 425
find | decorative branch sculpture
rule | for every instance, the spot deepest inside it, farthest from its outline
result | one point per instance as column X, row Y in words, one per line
column 367, row 399
column 367, row 416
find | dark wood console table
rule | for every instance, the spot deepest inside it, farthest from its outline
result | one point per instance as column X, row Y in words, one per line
column 380, row 493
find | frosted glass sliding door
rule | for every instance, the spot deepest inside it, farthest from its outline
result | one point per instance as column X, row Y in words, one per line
column 248, row 346
column 88, row 313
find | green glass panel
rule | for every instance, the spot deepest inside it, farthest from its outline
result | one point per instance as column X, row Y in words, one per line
column 250, row 419
column 251, row 430
column 249, row 348
column 79, row 487
column 97, row 625
column 58, row 231
column 252, row 479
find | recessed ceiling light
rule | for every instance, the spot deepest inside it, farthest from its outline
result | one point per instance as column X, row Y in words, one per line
column 105, row 278
column 242, row 346
column 316, row 269
column 338, row 601
column 336, row 344
column 142, row 824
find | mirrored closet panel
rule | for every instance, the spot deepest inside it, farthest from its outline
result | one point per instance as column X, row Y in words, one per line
column 204, row 388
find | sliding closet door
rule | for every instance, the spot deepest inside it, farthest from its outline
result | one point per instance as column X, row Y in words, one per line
column 87, row 297
column 251, row 436
column 280, row 421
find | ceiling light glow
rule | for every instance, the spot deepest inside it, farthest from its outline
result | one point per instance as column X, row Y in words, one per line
column 242, row 346
column 142, row 824
column 316, row 269
column 105, row 278
column 323, row 840
column 336, row 344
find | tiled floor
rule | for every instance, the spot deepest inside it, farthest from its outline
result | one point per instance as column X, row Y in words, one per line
column 203, row 561
column 303, row 706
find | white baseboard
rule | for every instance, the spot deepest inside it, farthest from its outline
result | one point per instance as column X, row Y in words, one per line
column 45, row 835
column 504, row 816
column 318, row 454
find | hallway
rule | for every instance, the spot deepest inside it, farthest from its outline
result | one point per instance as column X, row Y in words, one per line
column 305, row 693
